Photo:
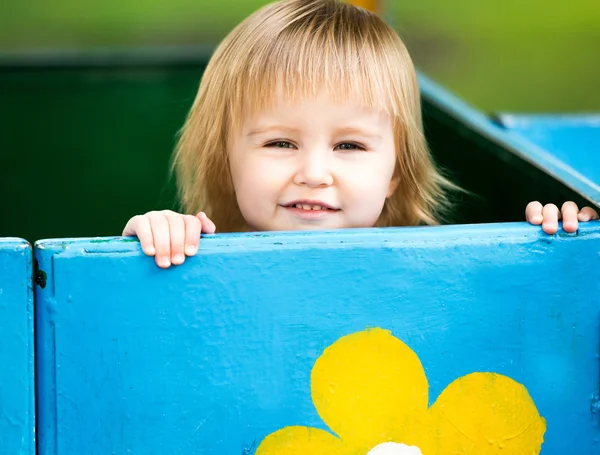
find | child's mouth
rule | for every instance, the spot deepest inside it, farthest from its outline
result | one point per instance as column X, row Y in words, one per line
column 310, row 210
column 310, row 207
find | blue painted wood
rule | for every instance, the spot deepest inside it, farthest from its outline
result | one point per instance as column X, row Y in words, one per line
column 567, row 148
column 211, row 356
column 16, row 349
column 574, row 140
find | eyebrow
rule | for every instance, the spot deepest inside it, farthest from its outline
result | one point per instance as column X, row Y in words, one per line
column 339, row 131
column 264, row 130
column 359, row 131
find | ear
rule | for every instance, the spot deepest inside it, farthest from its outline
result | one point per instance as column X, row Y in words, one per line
column 392, row 186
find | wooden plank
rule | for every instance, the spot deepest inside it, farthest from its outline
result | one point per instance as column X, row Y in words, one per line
column 16, row 349
column 213, row 356
column 572, row 143
column 516, row 144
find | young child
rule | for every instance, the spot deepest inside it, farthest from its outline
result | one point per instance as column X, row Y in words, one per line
column 307, row 117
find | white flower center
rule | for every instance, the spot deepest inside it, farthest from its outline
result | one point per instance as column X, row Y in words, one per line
column 393, row 448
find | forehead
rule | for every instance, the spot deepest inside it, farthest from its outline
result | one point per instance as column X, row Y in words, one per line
column 326, row 104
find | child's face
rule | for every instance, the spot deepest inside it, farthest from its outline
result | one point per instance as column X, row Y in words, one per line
column 313, row 165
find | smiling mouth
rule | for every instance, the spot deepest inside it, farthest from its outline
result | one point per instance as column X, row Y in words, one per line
column 311, row 207
column 310, row 211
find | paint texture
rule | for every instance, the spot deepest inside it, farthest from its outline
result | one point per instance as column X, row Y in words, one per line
column 571, row 141
column 16, row 348
column 213, row 356
column 370, row 389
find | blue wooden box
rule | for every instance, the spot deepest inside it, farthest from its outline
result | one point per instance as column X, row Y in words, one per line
column 216, row 355
column 16, row 348
column 212, row 356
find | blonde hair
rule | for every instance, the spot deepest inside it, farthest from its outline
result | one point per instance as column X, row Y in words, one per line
column 306, row 46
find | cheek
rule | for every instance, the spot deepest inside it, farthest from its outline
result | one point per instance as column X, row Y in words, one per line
column 244, row 172
column 244, row 185
column 257, row 183
column 370, row 194
column 372, row 178
column 236, row 167
column 241, row 180
column 252, row 176
column 369, row 190
column 364, row 199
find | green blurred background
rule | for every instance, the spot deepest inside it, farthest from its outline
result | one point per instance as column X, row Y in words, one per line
column 516, row 55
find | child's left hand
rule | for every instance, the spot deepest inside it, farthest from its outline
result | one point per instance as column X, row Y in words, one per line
column 548, row 216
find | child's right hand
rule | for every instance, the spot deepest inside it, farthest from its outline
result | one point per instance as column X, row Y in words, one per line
column 169, row 236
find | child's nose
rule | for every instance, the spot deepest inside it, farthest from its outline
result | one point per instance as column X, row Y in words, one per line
column 313, row 170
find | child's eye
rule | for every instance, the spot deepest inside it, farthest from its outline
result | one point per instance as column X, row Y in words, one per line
column 349, row 146
column 280, row 144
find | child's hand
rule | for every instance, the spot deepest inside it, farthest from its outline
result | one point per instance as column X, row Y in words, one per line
column 548, row 216
column 169, row 236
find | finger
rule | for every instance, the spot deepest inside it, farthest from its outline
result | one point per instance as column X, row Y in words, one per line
column 193, row 226
column 551, row 215
column 587, row 214
column 162, row 240
column 177, row 237
column 140, row 226
column 533, row 213
column 208, row 227
column 569, row 212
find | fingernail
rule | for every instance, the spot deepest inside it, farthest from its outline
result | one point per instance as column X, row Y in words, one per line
column 537, row 219
column 549, row 228
column 178, row 258
column 150, row 250
column 164, row 261
column 190, row 250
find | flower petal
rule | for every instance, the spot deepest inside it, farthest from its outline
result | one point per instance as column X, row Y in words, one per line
column 300, row 441
column 369, row 388
column 486, row 413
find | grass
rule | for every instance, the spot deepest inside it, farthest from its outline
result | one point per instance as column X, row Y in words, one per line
column 527, row 55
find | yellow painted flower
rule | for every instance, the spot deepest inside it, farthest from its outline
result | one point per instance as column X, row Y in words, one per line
column 370, row 389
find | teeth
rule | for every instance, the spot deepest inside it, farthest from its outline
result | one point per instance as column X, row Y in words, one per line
column 309, row 207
